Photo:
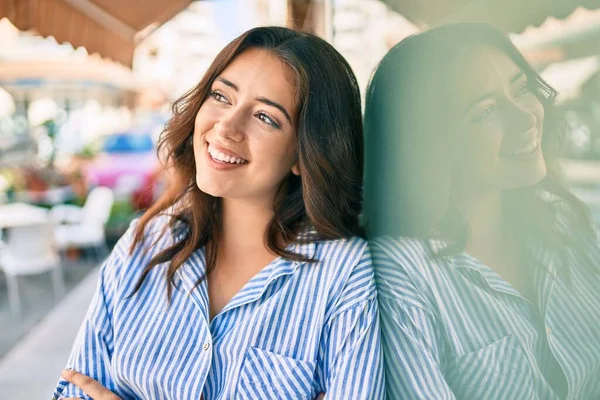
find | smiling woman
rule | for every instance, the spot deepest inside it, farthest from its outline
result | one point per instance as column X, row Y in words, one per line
column 262, row 103
column 486, row 265
column 248, row 278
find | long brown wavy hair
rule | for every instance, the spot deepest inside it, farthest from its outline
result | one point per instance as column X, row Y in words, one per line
column 411, row 185
column 325, row 200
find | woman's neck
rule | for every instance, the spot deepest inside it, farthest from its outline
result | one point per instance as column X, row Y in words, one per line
column 484, row 216
column 489, row 242
column 244, row 224
column 488, row 239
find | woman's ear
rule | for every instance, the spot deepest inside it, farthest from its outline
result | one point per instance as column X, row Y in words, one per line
column 296, row 169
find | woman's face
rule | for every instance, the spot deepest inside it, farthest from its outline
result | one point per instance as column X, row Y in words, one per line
column 245, row 133
column 501, row 121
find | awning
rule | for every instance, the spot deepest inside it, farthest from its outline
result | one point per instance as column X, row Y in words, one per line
column 107, row 27
column 574, row 37
column 89, row 71
column 508, row 15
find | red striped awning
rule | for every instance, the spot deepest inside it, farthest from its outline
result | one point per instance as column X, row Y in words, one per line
column 107, row 27
column 508, row 15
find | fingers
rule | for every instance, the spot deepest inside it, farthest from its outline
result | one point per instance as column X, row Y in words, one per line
column 90, row 386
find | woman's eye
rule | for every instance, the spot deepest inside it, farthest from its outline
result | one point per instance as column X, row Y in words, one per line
column 485, row 113
column 218, row 97
column 267, row 120
column 523, row 91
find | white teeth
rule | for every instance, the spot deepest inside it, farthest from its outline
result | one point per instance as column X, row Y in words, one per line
column 525, row 150
column 219, row 156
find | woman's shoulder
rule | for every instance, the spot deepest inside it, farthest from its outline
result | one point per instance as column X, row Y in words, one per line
column 405, row 267
column 346, row 272
column 153, row 237
column 346, row 247
column 342, row 256
column 404, row 254
column 129, row 256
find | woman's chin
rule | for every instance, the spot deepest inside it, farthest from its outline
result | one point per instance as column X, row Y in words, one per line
column 528, row 178
column 209, row 188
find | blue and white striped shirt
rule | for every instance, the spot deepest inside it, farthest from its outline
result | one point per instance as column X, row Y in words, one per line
column 452, row 328
column 293, row 331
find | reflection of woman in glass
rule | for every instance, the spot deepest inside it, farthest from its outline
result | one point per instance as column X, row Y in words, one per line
column 246, row 279
column 488, row 269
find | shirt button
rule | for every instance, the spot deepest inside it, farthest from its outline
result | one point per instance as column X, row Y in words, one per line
column 548, row 330
column 206, row 346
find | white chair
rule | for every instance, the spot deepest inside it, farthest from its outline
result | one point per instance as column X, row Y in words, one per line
column 30, row 250
column 84, row 226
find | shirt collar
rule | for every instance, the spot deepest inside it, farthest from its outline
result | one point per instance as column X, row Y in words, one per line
column 304, row 249
column 195, row 267
column 473, row 269
column 482, row 272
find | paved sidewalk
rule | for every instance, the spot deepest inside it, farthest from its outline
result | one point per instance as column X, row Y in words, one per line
column 31, row 369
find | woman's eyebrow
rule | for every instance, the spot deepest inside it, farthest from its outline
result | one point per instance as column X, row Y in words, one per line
column 227, row 82
column 263, row 100
column 276, row 105
column 479, row 99
column 491, row 94
column 517, row 76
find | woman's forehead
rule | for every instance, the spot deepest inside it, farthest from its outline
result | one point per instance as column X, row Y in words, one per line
column 263, row 74
column 482, row 71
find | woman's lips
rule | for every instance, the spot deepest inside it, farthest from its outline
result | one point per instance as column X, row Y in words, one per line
column 221, row 161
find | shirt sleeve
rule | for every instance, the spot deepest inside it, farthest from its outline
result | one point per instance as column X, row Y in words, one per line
column 351, row 345
column 412, row 341
column 93, row 348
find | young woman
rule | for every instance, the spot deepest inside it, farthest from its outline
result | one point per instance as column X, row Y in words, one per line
column 487, row 268
column 246, row 279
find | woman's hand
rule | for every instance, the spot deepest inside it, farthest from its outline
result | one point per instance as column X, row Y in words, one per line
column 95, row 390
column 90, row 386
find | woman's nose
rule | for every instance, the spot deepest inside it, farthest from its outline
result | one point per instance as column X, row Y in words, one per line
column 521, row 120
column 229, row 126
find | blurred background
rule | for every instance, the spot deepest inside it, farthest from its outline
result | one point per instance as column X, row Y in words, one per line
column 85, row 88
